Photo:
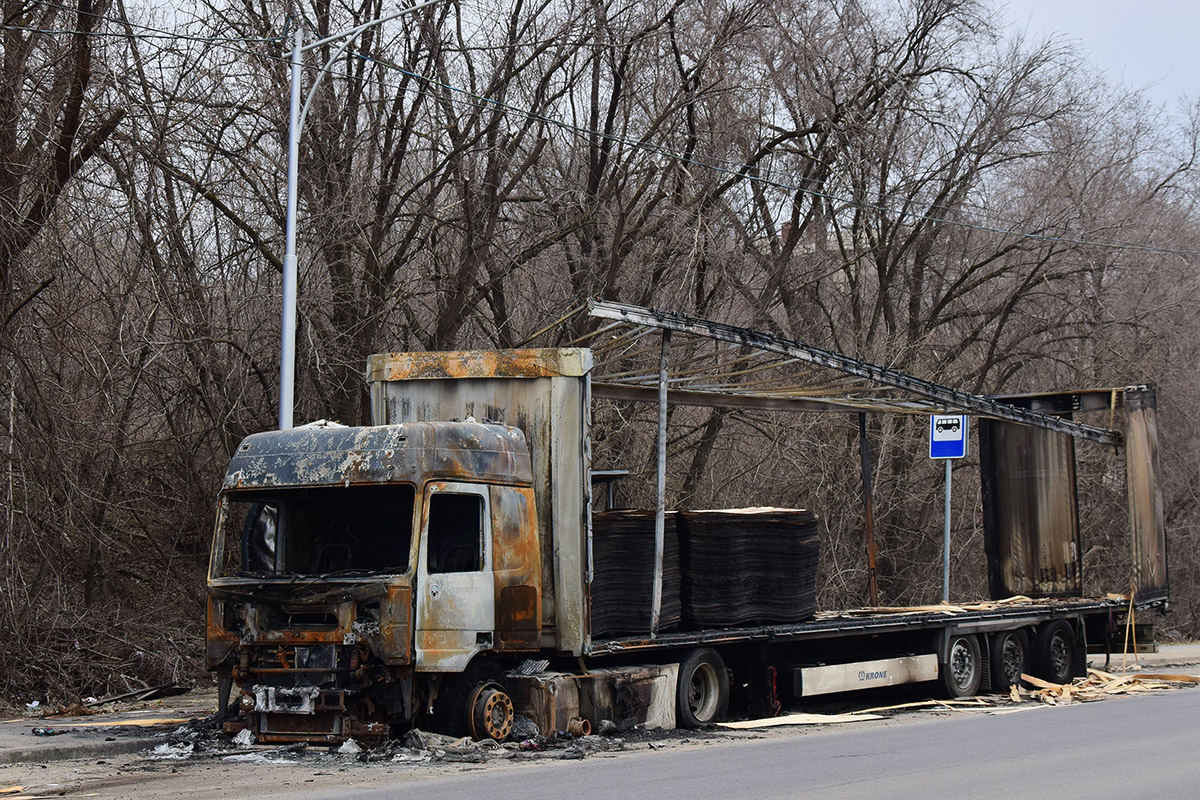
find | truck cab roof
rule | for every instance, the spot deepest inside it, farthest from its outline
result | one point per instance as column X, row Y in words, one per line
column 324, row 454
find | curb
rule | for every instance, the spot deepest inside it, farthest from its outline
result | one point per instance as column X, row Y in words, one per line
column 64, row 752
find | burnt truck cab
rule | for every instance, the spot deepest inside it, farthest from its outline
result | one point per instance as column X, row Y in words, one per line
column 354, row 568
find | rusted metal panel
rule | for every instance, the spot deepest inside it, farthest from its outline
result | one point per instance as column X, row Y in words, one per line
column 517, row 569
column 1030, row 511
column 219, row 641
column 571, row 480
column 542, row 393
column 393, row 642
column 628, row 697
column 527, row 363
column 1148, row 532
column 377, row 615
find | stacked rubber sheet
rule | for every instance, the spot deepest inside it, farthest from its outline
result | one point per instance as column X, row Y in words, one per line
column 746, row 566
column 721, row 569
column 623, row 563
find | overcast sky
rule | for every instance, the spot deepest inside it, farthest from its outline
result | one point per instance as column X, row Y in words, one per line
column 1137, row 42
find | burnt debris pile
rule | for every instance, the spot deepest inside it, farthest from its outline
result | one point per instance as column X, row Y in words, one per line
column 623, row 558
column 747, row 566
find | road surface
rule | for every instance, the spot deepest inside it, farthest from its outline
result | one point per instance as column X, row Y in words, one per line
column 1141, row 746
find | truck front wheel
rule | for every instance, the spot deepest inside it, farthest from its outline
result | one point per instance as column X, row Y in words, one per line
column 475, row 703
column 702, row 694
column 491, row 713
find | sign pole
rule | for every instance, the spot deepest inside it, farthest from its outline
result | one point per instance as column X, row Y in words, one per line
column 864, row 455
column 947, row 441
column 946, row 541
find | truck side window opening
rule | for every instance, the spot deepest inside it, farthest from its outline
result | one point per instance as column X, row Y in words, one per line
column 319, row 530
column 455, row 532
column 259, row 537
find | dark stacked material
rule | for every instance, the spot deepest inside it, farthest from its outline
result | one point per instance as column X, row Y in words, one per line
column 623, row 560
column 745, row 566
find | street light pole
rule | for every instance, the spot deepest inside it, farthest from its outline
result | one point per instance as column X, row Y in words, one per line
column 287, row 343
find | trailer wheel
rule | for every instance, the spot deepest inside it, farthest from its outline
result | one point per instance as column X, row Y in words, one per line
column 1010, row 657
column 702, row 694
column 1055, row 655
column 963, row 670
column 475, row 703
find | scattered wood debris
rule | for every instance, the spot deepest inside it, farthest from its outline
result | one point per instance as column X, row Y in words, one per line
column 855, row 716
column 1098, row 685
column 145, row 693
column 798, row 719
column 940, row 608
column 974, row 702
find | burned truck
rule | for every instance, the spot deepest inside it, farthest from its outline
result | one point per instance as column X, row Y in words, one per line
column 443, row 569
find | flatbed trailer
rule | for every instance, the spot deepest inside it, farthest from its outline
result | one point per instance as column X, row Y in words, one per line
column 874, row 622
column 437, row 569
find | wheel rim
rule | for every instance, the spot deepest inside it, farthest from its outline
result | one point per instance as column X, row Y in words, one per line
column 962, row 664
column 1060, row 655
column 492, row 713
column 703, row 691
column 1012, row 659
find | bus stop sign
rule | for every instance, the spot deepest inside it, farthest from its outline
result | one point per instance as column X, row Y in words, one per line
column 948, row 436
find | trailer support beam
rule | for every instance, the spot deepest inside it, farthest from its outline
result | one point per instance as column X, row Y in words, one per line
column 943, row 397
column 660, row 506
column 864, row 455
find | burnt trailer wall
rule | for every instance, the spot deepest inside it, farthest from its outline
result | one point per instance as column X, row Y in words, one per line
column 1030, row 511
column 1147, row 528
column 544, row 393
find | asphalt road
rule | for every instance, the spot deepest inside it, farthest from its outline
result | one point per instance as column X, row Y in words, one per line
column 1139, row 746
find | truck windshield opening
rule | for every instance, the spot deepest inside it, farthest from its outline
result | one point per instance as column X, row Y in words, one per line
column 311, row 532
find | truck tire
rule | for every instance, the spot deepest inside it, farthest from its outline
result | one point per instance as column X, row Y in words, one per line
column 963, row 669
column 1010, row 657
column 1055, row 655
column 702, row 694
column 475, row 703
column 491, row 713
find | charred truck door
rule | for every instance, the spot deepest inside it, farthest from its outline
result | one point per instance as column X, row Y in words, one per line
column 456, row 605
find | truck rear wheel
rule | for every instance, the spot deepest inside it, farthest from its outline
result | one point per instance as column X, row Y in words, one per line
column 702, row 694
column 1010, row 657
column 963, row 668
column 1056, row 651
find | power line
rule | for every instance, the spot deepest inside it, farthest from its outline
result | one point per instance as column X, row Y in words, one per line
column 148, row 36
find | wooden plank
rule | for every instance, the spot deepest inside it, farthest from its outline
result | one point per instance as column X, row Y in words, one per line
column 798, row 719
